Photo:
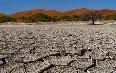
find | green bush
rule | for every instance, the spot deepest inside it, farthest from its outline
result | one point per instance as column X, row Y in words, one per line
column 76, row 17
column 40, row 17
column 65, row 18
column 4, row 19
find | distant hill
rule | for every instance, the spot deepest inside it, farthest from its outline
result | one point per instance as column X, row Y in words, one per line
column 77, row 11
column 49, row 12
column 107, row 11
column 32, row 12
column 57, row 13
column 2, row 14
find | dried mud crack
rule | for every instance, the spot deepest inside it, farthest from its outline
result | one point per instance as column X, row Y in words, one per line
column 58, row 49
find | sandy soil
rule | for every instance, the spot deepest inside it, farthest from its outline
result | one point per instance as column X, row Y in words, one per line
column 57, row 49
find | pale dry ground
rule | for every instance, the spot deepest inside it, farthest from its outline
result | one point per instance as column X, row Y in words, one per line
column 57, row 49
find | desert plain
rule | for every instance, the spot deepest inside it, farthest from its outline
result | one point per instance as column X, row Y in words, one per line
column 58, row 48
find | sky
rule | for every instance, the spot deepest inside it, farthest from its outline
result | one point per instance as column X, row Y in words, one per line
column 13, row 6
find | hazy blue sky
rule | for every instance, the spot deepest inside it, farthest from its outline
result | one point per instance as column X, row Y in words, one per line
column 12, row 6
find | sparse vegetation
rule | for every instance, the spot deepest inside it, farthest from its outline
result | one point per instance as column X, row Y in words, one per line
column 109, row 17
column 41, row 17
column 4, row 19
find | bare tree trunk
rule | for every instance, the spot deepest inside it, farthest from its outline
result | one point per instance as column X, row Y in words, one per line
column 93, row 21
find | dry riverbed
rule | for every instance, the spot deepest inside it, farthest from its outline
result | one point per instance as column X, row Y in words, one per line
column 57, row 49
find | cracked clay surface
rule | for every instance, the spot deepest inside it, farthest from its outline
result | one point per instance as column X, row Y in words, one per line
column 58, row 49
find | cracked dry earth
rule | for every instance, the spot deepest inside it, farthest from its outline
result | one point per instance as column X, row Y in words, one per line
column 58, row 49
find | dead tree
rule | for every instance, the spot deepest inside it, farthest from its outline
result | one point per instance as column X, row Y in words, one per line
column 91, row 15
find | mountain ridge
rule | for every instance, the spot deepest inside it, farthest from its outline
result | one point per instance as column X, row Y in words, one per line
column 58, row 13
